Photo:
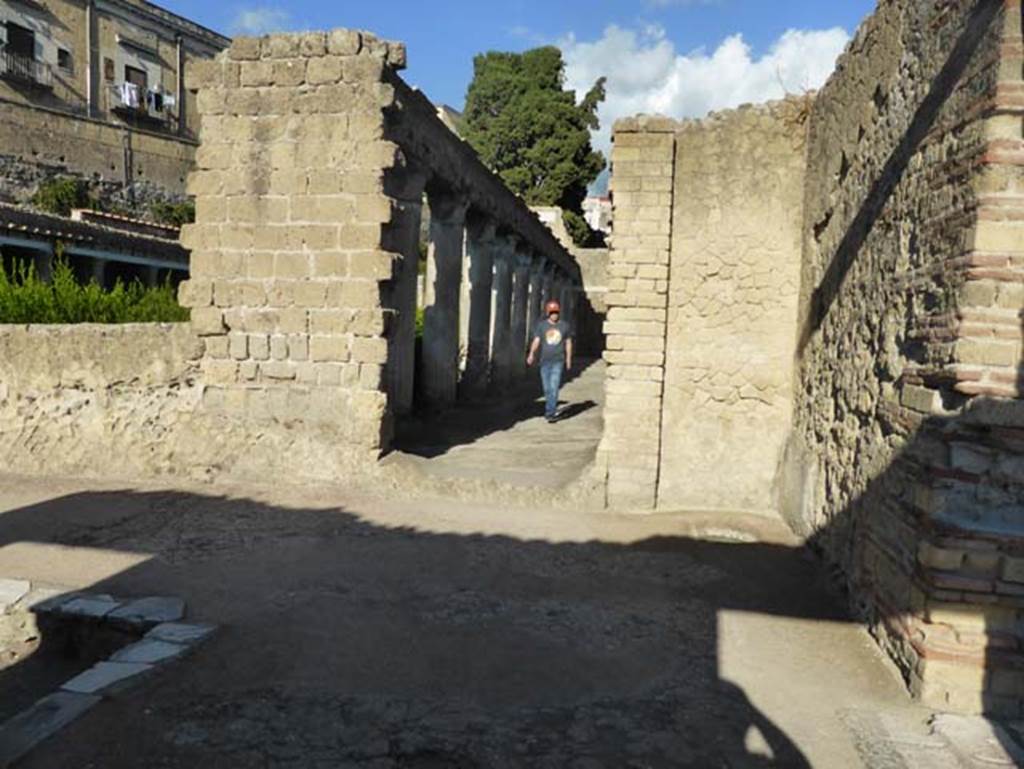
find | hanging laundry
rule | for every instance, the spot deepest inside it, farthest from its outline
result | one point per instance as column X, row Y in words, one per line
column 130, row 95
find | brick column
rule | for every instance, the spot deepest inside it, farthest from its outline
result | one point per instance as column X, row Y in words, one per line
column 440, row 363
column 643, row 154
column 520, row 310
column 501, row 342
column 480, row 248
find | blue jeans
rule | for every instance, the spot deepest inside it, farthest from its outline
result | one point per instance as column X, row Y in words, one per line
column 551, row 378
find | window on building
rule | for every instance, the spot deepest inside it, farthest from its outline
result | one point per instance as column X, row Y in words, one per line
column 20, row 41
column 64, row 59
column 136, row 76
column 108, row 69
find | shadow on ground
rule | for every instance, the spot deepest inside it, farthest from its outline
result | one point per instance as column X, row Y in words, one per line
column 431, row 435
column 350, row 644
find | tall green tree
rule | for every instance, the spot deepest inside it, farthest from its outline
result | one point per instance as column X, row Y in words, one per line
column 530, row 130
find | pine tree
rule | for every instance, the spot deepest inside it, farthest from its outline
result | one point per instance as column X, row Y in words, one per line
column 529, row 129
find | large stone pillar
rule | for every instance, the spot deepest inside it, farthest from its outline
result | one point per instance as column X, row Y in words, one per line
column 480, row 245
column 547, row 283
column 445, row 252
column 401, row 236
column 571, row 300
column 520, row 309
column 465, row 304
column 536, row 297
column 565, row 299
column 501, row 341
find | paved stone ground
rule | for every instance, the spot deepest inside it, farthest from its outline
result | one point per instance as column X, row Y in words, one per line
column 506, row 442
column 364, row 633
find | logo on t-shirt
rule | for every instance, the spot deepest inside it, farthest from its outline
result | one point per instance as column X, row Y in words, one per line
column 553, row 336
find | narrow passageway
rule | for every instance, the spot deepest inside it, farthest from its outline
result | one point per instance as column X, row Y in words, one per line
column 505, row 439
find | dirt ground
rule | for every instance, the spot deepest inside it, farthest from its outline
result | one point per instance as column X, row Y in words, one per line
column 468, row 612
column 364, row 633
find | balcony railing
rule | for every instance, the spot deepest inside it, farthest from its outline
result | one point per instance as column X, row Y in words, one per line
column 141, row 104
column 22, row 69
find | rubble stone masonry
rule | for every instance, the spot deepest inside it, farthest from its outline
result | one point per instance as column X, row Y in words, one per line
column 895, row 369
column 905, row 464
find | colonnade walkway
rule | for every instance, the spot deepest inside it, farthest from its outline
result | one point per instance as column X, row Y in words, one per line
column 505, row 440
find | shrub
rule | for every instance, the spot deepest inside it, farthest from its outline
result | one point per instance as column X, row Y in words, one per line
column 59, row 196
column 24, row 298
column 173, row 214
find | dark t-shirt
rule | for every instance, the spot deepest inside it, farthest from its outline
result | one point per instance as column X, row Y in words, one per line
column 552, row 339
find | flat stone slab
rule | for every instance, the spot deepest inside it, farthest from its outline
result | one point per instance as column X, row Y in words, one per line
column 95, row 606
column 12, row 591
column 22, row 733
column 151, row 611
column 181, row 633
column 106, row 677
column 47, row 599
column 150, row 652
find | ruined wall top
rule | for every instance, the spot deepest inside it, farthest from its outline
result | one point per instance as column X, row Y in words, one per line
column 795, row 105
column 425, row 147
column 413, row 123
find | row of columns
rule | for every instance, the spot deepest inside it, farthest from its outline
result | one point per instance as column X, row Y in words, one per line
column 485, row 291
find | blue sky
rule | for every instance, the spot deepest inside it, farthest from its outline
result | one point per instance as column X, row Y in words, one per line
column 444, row 35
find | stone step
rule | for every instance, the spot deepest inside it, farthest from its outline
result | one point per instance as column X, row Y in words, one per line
column 156, row 622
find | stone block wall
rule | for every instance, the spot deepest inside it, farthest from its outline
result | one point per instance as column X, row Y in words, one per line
column 732, row 306
column 287, row 259
column 905, row 462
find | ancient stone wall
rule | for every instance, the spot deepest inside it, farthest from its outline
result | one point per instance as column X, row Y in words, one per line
column 905, row 460
column 732, row 306
column 97, row 400
column 309, row 187
column 311, row 178
column 286, row 255
column 37, row 145
column 129, row 402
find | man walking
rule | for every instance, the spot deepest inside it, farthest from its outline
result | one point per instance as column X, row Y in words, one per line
column 553, row 338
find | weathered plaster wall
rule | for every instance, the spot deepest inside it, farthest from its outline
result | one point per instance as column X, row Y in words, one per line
column 732, row 306
column 96, row 400
column 128, row 402
column 905, row 459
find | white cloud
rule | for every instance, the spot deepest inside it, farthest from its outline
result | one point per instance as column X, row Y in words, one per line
column 259, row 21
column 646, row 74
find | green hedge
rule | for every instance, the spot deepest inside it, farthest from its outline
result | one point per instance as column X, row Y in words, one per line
column 24, row 298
